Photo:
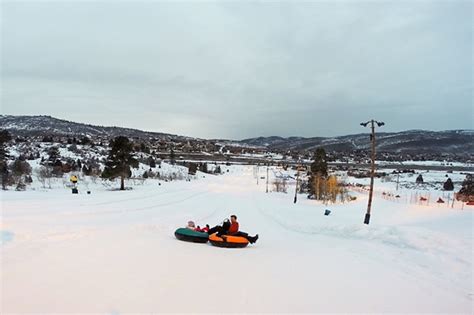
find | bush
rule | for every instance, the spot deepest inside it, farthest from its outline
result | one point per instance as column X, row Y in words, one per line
column 20, row 186
column 280, row 185
column 44, row 175
column 448, row 185
column 192, row 168
column 466, row 193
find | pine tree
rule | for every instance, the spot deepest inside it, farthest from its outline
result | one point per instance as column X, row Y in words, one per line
column 54, row 155
column 86, row 170
column 85, row 141
column 419, row 179
column 120, row 160
column 319, row 173
column 20, row 169
column 172, row 157
column 152, row 162
column 4, row 138
column 467, row 188
column 320, row 164
column 192, row 168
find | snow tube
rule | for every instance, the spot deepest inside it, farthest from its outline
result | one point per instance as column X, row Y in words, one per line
column 189, row 235
column 228, row 241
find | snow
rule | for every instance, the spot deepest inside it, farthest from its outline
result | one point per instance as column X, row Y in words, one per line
column 115, row 252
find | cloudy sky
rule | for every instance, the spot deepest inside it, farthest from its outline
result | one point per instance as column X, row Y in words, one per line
column 239, row 69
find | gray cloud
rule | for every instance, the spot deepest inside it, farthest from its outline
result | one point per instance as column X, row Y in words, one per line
column 241, row 69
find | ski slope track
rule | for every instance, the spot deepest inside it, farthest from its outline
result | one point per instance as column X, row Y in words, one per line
column 115, row 252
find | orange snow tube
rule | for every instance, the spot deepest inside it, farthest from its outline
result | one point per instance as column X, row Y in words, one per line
column 228, row 241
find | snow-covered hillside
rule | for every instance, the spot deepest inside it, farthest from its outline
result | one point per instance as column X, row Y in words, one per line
column 114, row 252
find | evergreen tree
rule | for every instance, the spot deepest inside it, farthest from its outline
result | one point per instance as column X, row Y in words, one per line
column 4, row 138
column 467, row 188
column 144, row 148
column 20, row 169
column 172, row 157
column 319, row 173
column 320, row 165
column 47, row 139
column 419, row 179
column 54, row 155
column 85, row 141
column 152, row 162
column 120, row 160
column 448, row 185
column 192, row 168
column 86, row 170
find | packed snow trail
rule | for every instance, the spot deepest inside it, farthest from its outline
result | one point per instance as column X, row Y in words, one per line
column 81, row 254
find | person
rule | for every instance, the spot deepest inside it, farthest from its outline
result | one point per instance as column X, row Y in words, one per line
column 234, row 230
column 231, row 228
column 191, row 225
column 204, row 229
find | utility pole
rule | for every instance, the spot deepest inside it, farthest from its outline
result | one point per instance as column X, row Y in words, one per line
column 398, row 178
column 372, row 165
column 297, row 181
column 258, row 174
column 267, row 177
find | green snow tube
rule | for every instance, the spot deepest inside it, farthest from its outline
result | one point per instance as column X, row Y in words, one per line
column 188, row 235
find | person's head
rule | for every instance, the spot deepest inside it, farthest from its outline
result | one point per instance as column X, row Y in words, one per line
column 191, row 224
column 233, row 218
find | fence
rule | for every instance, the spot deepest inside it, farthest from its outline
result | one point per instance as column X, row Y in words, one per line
column 422, row 198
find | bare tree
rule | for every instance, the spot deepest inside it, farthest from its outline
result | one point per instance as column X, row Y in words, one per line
column 44, row 175
column 280, row 185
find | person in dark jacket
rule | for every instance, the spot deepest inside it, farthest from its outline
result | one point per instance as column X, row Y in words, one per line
column 220, row 229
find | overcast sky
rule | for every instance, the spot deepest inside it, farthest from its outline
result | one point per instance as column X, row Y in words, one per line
column 239, row 69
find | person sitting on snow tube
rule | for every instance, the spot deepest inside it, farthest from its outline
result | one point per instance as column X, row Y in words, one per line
column 234, row 230
column 191, row 225
column 204, row 229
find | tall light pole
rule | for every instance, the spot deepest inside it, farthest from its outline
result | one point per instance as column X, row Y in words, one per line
column 258, row 173
column 372, row 166
column 297, row 181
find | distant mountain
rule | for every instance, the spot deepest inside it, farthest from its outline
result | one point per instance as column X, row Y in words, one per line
column 417, row 141
column 412, row 141
column 47, row 125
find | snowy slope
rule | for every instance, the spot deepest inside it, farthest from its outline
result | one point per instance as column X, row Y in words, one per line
column 115, row 252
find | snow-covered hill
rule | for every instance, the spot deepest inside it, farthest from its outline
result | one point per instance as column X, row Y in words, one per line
column 47, row 125
column 414, row 141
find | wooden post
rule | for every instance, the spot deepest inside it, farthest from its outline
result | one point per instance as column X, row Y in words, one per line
column 267, row 178
column 296, row 187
